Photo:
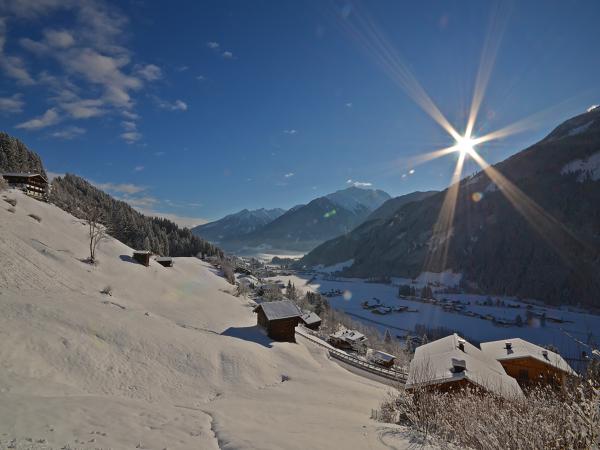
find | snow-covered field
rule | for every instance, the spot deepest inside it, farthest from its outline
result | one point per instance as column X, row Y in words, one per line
column 578, row 324
column 170, row 360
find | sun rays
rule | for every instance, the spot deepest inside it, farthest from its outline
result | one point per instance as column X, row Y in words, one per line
column 363, row 29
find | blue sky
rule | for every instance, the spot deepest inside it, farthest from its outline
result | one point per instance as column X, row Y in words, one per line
column 198, row 109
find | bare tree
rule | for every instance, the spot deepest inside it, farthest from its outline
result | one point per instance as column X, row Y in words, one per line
column 97, row 231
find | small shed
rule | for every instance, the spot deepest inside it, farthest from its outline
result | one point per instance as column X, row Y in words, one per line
column 382, row 358
column 348, row 339
column 142, row 256
column 165, row 261
column 527, row 362
column 310, row 320
column 279, row 319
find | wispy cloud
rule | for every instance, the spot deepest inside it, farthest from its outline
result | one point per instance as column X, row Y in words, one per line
column 123, row 188
column 227, row 55
column 68, row 133
column 289, row 175
column 50, row 117
column 182, row 221
column 12, row 105
column 349, row 105
column 131, row 136
column 292, row 131
column 53, row 175
column 177, row 105
column 201, row 78
column 138, row 168
column 213, row 45
column 149, row 72
column 359, row 183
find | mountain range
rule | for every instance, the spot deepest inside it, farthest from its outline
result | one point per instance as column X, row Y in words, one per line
column 533, row 231
column 302, row 227
column 240, row 223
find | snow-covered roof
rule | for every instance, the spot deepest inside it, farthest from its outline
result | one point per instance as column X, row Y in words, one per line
column 283, row 309
column 453, row 359
column 141, row 252
column 310, row 318
column 517, row 348
column 349, row 335
column 23, row 174
column 382, row 356
column 164, row 258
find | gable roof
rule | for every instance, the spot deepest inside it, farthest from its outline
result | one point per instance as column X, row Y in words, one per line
column 434, row 362
column 24, row 175
column 349, row 335
column 283, row 309
column 520, row 348
column 310, row 317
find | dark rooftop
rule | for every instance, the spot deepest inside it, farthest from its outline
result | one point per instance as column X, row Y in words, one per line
column 283, row 309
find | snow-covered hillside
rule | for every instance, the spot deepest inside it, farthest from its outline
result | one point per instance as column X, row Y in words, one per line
column 170, row 360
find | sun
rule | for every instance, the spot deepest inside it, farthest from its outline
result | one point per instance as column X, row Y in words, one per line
column 465, row 145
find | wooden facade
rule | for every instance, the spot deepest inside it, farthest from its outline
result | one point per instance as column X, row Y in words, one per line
column 530, row 371
column 33, row 184
column 142, row 256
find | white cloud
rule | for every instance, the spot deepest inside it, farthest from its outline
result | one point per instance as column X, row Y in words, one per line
column 123, row 188
column 53, row 175
column 13, row 104
column 349, row 105
column 150, row 72
column 201, row 78
column 359, row 183
column 59, row 38
column 128, row 125
column 50, row 117
column 131, row 136
column 138, row 168
column 182, row 68
column 83, row 109
column 292, row 131
column 68, row 133
column 177, row 105
column 182, row 221
column 213, row 45
column 289, row 175
column 227, row 55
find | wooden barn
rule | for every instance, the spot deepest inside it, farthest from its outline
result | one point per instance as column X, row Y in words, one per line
column 142, row 256
column 382, row 358
column 33, row 184
column 453, row 363
column 165, row 261
column 279, row 319
column 310, row 320
column 529, row 363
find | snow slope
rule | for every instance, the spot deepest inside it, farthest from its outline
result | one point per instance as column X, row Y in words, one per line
column 170, row 360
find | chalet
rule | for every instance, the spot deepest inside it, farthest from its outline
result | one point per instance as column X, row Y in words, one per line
column 279, row 319
column 453, row 363
column 310, row 320
column 348, row 339
column 33, row 184
column 165, row 261
column 528, row 363
column 382, row 358
column 142, row 256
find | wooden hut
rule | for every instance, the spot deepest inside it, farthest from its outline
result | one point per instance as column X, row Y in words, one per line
column 453, row 363
column 33, row 184
column 279, row 319
column 310, row 320
column 142, row 256
column 382, row 358
column 529, row 363
column 165, row 261
column 348, row 340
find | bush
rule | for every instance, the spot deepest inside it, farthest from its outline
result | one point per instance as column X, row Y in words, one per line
column 11, row 201
column 545, row 418
column 36, row 217
column 107, row 290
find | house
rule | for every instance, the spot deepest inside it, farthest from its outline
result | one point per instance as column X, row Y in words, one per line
column 165, row 261
column 382, row 358
column 33, row 184
column 348, row 339
column 528, row 363
column 453, row 363
column 310, row 320
column 142, row 256
column 279, row 319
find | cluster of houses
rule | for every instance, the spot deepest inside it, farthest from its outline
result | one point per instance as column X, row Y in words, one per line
column 32, row 184
column 501, row 367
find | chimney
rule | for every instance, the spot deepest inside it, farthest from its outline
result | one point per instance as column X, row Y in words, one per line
column 461, row 344
column 458, row 365
column 545, row 353
column 508, row 346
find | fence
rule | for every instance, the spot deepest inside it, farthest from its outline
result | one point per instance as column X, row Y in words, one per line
column 352, row 360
